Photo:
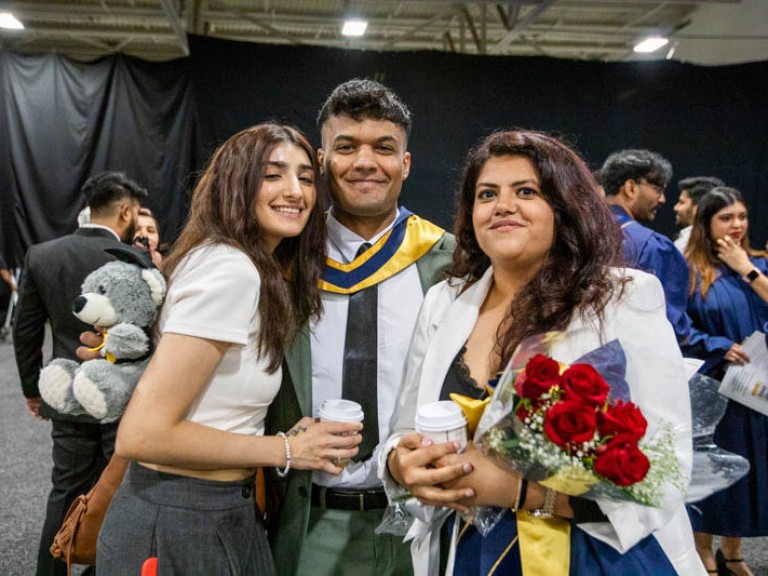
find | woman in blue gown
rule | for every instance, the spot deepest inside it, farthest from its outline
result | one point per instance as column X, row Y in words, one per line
column 728, row 296
column 538, row 250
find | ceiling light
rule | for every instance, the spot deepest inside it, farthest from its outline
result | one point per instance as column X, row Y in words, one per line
column 354, row 27
column 651, row 44
column 8, row 20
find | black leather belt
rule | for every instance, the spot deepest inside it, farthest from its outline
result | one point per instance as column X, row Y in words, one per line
column 346, row 499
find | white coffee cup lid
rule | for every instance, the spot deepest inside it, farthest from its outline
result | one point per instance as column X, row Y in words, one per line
column 439, row 416
column 340, row 410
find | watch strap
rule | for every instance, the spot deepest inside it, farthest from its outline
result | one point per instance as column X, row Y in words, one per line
column 751, row 276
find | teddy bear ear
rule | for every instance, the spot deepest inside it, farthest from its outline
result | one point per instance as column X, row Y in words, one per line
column 156, row 284
column 140, row 258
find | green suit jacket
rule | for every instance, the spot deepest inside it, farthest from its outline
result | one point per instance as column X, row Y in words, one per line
column 288, row 500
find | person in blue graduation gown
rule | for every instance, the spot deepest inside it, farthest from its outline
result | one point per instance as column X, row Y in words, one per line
column 728, row 295
column 635, row 183
column 538, row 250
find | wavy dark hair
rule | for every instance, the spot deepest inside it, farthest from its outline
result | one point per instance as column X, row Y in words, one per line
column 223, row 211
column 362, row 98
column 700, row 252
column 587, row 241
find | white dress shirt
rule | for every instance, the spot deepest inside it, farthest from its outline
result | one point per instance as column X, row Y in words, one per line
column 101, row 227
column 400, row 298
column 682, row 240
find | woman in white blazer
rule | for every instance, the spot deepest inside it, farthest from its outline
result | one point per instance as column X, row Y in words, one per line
column 537, row 251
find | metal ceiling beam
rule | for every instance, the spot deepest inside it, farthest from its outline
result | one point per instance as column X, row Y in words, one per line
column 529, row 19
column 85, row 32
column 176, row 25
column 573, row 28
column 472, row 30
column 413, row 31
column 257, row 21
column 508, row 18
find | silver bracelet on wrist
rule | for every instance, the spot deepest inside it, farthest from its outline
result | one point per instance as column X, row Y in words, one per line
column 284, row 472
column 548, row 508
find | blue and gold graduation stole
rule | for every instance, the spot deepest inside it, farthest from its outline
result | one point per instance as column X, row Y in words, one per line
column 409, row 239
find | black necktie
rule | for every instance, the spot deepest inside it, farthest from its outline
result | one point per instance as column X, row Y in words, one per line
column 360, row 364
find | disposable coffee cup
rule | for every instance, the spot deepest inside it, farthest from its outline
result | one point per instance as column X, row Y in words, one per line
column 338, row 410
column 442, row 422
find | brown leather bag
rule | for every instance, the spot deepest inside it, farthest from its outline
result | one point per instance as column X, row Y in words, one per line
column 75, row 542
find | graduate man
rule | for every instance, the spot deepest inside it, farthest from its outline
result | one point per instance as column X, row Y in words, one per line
column 381, row 261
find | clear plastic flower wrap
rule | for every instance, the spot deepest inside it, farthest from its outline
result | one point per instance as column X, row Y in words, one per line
column 574, row 428
column 714, row 469
column 399, row 518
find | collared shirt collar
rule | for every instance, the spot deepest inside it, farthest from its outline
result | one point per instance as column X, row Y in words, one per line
column 621, row 213
column 100, row 226
column 348, row 242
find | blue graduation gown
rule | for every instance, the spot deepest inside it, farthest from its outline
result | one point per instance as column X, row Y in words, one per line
column 652, row 252
column 499, row 554
column 733, row 310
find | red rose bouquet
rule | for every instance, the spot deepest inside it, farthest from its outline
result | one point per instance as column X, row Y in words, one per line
column 574, row 428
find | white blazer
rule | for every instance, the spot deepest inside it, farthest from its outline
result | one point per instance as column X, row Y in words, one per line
column 655, row 375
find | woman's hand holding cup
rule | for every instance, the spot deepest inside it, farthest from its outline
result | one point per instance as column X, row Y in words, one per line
column 317, row 445
column 441, row 430
column 339, row 410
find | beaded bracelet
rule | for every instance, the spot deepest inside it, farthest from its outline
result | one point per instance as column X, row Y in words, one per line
column 284, row 472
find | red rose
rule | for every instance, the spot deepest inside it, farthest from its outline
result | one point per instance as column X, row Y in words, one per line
column 540, row 374
column 522, row 412
column 621, row 461
column 583, row 381
column 569, row 421
column 622, row 419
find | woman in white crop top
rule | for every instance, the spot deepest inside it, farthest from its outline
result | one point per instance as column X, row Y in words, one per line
column 195, row 425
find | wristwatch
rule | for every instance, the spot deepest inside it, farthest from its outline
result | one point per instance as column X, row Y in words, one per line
column 751, row 276
column 547, row 509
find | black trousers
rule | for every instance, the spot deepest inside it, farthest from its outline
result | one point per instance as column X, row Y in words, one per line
column 80, row 453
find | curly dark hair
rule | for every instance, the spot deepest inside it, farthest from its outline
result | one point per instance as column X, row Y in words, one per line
column 575, row 277
column 363, row 98
column 223, row 211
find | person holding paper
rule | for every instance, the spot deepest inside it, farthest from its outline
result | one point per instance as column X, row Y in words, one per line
column 729, row 297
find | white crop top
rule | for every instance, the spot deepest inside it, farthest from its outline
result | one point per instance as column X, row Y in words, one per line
column 214, row 294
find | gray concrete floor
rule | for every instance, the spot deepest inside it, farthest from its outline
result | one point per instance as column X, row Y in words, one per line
column 25, row 466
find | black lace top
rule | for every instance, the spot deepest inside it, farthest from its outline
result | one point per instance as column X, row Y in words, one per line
column 459, row 381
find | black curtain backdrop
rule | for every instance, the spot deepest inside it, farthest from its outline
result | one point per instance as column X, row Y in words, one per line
column 705, row 120
column 62, row 121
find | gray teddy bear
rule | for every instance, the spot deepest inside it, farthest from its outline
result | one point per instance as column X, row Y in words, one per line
column 121, row 299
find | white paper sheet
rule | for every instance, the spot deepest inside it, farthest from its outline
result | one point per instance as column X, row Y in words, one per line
column 748, row 384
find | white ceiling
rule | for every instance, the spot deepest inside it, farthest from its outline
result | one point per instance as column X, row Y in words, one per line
column 702, row 31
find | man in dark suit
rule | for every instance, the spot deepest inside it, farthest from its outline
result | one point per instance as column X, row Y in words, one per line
column 53, row 274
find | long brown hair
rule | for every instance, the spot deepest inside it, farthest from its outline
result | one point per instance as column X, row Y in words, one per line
column 223, row 210
column 700, row 252
column 575, row 277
